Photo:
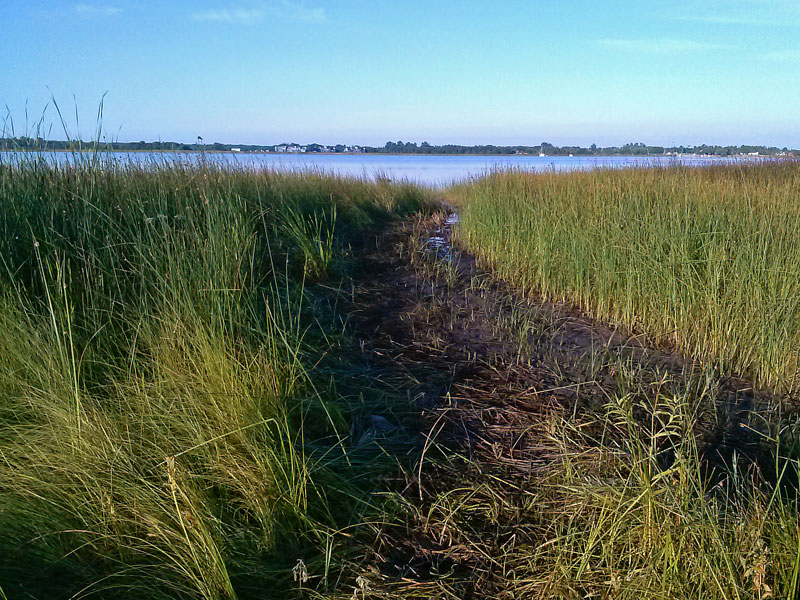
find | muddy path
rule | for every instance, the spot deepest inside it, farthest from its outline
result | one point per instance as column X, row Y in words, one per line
column 493, row 377
column 423, row 306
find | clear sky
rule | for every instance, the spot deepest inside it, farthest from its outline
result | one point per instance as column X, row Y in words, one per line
column 367, row 71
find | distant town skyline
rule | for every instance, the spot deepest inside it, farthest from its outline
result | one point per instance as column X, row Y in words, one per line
column 721, row 72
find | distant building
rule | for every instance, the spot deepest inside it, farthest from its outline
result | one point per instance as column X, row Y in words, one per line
column 236, row 149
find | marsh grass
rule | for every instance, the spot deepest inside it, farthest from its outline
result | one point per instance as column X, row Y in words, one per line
column 155, row 327
column 706, row 259
column 604, row 517
column 180, row 417
column 577, row 472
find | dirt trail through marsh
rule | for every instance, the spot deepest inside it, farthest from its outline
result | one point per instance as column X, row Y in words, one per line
column 491, row 373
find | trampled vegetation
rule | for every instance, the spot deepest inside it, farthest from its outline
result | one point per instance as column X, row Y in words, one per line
column 231, row 384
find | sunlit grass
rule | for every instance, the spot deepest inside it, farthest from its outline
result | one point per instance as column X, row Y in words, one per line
column 169, row 426
column 704, row 258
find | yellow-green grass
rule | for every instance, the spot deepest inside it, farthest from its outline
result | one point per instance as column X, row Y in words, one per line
column 603, row 517
column 154, row 335
column 707, row 259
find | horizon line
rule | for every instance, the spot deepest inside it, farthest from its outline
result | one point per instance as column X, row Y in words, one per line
column 421, row 144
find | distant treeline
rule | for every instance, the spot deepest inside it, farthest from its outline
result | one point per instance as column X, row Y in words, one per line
column 632, row 149
column 29, row 143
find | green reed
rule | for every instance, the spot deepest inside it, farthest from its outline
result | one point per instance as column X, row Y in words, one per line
column 154, row 326
column 704, row 258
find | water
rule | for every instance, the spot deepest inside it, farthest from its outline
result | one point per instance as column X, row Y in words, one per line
column 433, row 170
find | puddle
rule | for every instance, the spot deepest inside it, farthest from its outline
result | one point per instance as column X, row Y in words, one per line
column 439, row 242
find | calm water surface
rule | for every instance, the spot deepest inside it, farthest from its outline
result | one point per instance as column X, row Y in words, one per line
column 435, row 170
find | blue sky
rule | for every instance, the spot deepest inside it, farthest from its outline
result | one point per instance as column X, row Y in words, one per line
column 366, row 71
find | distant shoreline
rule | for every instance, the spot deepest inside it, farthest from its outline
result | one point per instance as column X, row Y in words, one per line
column 416, row 154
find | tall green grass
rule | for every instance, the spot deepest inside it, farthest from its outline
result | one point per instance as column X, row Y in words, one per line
column 704, row 258
column 154, row 334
